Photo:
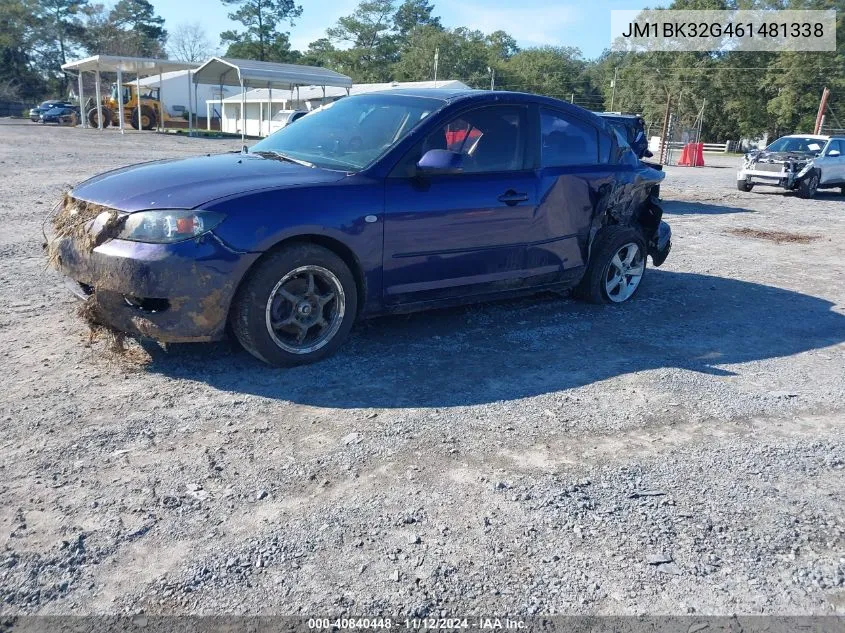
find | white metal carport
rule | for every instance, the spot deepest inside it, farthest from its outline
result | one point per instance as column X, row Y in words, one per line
column 246, row 73
column 139, row 66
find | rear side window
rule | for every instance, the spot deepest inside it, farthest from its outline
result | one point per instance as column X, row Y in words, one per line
column 567, row 141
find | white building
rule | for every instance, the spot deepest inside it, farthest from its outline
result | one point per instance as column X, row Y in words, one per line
column 177, row 92
column 261, row 104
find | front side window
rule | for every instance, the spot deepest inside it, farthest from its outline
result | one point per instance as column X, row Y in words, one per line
column 490, row 139
column 352, row 132
column 567, row 141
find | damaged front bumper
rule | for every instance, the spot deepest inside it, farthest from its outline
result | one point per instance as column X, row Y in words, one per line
column 774, row 174
column 172, row 293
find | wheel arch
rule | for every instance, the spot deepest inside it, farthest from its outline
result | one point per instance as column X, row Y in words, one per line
column 329, row 243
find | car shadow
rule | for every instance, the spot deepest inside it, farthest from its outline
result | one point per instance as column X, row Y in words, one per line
column 764, row 190
column 681, row 207
column 520, row 348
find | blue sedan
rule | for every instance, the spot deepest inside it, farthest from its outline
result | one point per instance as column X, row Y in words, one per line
column 379, row 203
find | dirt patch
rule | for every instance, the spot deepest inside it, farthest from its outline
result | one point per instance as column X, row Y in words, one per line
column 91, row 312
column 779, row 237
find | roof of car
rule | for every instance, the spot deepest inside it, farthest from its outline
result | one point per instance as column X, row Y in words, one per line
column 821, row 137
column 619, row 115
column 444, row 94
column 486, row 96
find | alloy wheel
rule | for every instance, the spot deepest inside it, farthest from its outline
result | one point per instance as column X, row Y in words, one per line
column 624, row 272
column 305, row 309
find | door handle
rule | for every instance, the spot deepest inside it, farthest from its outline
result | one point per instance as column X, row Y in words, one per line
column 511, row 197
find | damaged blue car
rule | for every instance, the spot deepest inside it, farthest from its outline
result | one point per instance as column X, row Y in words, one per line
column 380, row 203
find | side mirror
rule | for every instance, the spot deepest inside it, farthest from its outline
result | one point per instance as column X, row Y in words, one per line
column 833, row 152
column 440, row 161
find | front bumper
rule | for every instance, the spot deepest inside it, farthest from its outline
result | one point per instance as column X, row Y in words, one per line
column 785, row 179
column 172, row 293
column 660, row 244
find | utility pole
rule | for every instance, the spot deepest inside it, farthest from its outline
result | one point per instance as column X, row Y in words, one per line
column 613, row 88
column 436, row 59
column 822, row 108
column 664, row 142
column 492, row 79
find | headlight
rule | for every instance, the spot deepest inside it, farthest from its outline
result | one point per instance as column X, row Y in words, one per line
column 168, row 225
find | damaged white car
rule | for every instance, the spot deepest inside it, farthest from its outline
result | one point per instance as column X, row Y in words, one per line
column 803, row 163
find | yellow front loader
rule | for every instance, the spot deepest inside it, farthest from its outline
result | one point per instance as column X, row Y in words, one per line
column 151, row 111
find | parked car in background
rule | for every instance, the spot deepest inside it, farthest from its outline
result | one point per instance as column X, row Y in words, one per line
column 36, row 112
column 803, row 163
column 632, row 128
column 283, row 118
column 377, row 203
column 61, row 114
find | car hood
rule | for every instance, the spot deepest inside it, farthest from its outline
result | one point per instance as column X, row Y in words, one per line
column 782, row 157
column 189, row 183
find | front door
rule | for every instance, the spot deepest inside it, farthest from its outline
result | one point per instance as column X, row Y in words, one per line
column 832, row 163
column 462, row 234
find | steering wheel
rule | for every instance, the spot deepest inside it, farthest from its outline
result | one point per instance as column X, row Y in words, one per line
column 355, row 144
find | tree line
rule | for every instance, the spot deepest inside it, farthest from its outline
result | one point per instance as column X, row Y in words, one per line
column 738, row 94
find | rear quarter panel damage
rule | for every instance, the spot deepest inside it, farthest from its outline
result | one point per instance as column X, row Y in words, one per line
column 580, row 202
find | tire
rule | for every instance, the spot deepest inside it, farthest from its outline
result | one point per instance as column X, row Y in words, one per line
column 808, row 186
column 601, row 270
column 107, row 117
column 148, row 118
column 744, row 185
column 266, row 296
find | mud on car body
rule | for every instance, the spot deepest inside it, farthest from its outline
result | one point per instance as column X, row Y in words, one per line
column 803, row 163
column 379, row 203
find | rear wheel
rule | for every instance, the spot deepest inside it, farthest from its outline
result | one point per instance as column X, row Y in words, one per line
column 807, row 188
column 743, row 185
column 616, row 268
column 296, row 307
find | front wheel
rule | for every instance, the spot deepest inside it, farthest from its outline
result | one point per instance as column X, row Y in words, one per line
column 296, row 307
column 148, row 118
column 744, row 185
column 94, row 116
column 616, row 268
column 807, row 188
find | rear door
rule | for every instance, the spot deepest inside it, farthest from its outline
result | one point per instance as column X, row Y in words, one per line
column 574, row 175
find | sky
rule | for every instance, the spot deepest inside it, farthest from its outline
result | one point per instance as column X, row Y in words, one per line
column 585, row 24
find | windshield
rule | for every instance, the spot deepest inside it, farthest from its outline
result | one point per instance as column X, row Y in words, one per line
column 797, row 144
column 350, row 133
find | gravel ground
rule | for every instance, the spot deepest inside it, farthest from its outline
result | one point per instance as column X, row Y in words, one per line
column 681, row 454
